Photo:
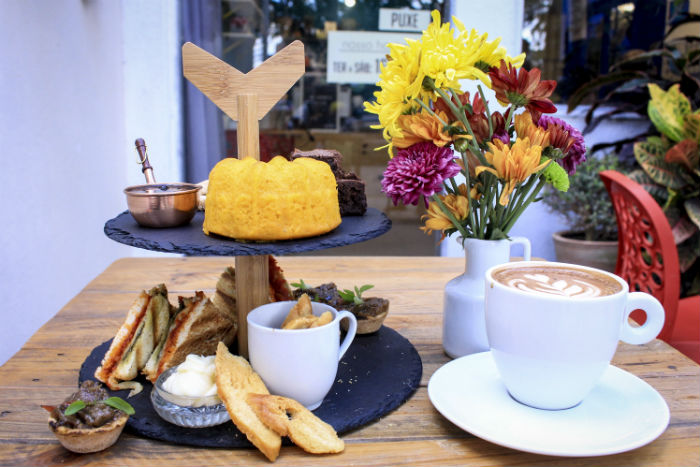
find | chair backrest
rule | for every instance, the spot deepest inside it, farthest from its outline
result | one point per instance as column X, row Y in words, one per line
column 647, row 257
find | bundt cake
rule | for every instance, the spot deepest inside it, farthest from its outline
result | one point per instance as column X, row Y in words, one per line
column 277, row 200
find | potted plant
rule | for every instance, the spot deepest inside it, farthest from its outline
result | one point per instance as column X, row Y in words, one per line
column 591, row 239
column 671, row 174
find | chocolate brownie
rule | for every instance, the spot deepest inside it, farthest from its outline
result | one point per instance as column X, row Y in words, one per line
column 351, row 189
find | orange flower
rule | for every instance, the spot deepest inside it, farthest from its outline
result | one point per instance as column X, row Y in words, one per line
column 525, row 128
column 513, row 165
column 416, row 128
column 456, row 204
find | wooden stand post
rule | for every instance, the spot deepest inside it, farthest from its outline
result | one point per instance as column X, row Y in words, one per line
column 252, row 276
column 246, row 98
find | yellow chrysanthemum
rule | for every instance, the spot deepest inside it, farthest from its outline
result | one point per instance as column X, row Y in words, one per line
column 468, row 55
column 437, row 219
column 525, row 128
column 395, row 97
column 513, row 164
column 441, row 55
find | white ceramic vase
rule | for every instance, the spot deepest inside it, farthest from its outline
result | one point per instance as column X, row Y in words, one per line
column 464, row 325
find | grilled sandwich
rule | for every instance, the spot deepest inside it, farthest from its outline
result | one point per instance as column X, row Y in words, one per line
column 145, row 325
column 197, row 328
column 156, row 336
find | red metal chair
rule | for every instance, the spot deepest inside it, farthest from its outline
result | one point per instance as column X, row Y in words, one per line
column 648, row 260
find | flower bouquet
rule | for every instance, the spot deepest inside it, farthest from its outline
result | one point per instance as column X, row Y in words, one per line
column 505, row 157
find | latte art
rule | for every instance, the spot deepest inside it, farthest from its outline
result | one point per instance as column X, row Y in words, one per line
column 564, row 282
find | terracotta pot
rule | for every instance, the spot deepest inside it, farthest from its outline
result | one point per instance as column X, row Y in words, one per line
column 595, row 254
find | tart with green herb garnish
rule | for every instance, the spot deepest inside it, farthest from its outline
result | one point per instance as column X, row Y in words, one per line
column 370, row 312
column 89, row 420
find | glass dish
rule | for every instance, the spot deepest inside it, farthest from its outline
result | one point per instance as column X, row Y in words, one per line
column 187, row 411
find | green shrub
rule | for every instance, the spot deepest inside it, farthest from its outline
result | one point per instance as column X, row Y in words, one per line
column 586, row 205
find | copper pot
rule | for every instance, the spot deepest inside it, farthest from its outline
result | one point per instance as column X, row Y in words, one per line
column 160, row 205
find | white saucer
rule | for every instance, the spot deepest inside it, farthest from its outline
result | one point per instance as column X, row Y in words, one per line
column 620, row 414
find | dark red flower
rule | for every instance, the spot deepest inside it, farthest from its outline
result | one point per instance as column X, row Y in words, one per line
column 523, row 88
column 478, row 121
column 417, row 172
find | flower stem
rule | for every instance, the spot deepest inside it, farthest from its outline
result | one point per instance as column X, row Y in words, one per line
column 430, row 111
column 488, row 111
column 462, row 118
column 513, row 108
column 519, row 210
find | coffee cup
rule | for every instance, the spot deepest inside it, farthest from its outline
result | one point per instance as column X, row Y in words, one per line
column 297, row 363
column 553, row 328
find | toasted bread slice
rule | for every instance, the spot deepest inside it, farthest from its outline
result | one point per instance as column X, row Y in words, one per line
column 279, row 287
column 134, row 341
column 235, row 379
column 196, row 329
column 225, row 297
column 288, row 417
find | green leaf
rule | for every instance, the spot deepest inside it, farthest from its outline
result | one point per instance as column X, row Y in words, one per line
column 300, row 285
column 366, row 287
column 667, row 110
column 347, row 295
column 650, row 155
column 685, row 153
column 691, row 127
column 557, row 176
column 75, row 407
column 688, row 252
column 580, row 94
column 643, row 56
column 692, row 207
column 683, row 230
column 659, row 193
column 119, row 404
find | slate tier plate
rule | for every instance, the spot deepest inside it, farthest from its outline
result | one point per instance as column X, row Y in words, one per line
column 190, row 239
column 378, row 373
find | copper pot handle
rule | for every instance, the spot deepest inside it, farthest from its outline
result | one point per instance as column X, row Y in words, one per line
column 143, row 160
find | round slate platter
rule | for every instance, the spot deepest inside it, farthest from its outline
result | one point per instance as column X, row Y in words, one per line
column 190, row 239
column 378, row 373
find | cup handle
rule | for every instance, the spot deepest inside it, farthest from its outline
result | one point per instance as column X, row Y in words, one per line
column 525, row 243
column 651, row 327
column 350, row 335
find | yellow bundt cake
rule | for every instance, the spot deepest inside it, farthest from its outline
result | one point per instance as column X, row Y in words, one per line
column 277, row 200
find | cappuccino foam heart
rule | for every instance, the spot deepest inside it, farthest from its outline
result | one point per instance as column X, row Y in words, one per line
column 557, row 280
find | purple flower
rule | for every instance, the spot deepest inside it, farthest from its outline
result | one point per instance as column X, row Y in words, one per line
column 501, row 135
column 567, row 138
column 418, row 172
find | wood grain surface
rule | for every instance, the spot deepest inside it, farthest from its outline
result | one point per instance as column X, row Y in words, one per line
column 45, row 371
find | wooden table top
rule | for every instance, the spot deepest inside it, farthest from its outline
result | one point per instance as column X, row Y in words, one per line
column 45, row 371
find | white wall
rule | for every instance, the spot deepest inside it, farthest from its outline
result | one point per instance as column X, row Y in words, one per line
column 67, row 124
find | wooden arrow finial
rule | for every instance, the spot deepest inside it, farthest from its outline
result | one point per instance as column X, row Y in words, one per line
column 222, row 83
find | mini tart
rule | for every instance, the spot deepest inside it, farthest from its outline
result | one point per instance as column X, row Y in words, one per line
column 84, row 440
column 370, row 315
column 371, row 324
